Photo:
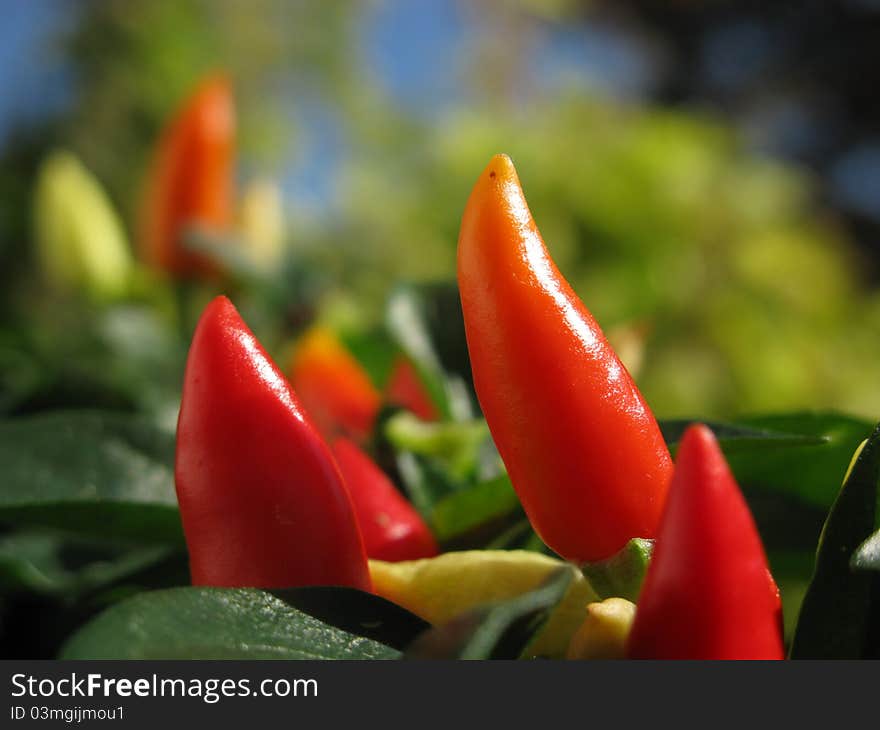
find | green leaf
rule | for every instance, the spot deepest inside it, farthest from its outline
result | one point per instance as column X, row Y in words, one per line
column 427, row 323
column 456, row 444
column 215, row 623
column 67, row 566
column 97, row 473
column 835, row 621
column 424, row 481
column 622, row 574
column 462, row 512
column 809, row 472
column 374, row 350
column 501, row 630
column 357, row 612
column 800, row 454
column 519, row 536
column 731, row 435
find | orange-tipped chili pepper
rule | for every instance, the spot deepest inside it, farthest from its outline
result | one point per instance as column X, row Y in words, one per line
column 262, row 501
column 190, row 180
column 582, row 448
column 333, row 387
column 405, row 389
column 708, row 593
column 391, row 527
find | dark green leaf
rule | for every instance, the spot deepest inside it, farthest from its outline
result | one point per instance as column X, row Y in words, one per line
column 623, row 573
column 798, row 454
column 49, row 563
column 809, row 472
column 501, row 630
column 427, row 322
column 425, row 482
column 467, row 510
column 835, row 618
column 357, row 612
column 519, row 536
column 732, row 434
column 104, row 474
column 215, row 623
column 374, row 350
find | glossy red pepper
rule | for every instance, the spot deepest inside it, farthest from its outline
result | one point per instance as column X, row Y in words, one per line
column 708, row 593
column 190, row 180
column 582, row 448
column 391, row 527
column 333, row 386
column 405, row 389
column 262, row 501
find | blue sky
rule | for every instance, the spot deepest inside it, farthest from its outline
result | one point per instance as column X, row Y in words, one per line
column 409, row 45
column 31, row 81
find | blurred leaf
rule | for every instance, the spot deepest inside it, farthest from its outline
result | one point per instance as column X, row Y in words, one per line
column 500, row 631
column 839, row 613
column 519, row 536
column 374, row 350
column 622, row 574
column 427, row 322
column 456, row 444
column 227, row 250
column 56, row 564
column 214, row 623
column 461, row 512
column 424, row 482
column 66, row 389
column 103, row 474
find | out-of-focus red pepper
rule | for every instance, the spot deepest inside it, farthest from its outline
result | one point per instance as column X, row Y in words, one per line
column 582, row 448
column 190, row 181
column 262, row 501
column 391, row 527
column 333, row 387
column 405, row 389
column 708, row 593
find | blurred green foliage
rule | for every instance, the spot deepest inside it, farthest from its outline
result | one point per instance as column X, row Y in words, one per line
column 734, row 289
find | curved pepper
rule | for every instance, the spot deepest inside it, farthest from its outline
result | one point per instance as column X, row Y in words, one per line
column 442, row 588
column 604, row 633
column 262, row 501
column 708, row 593
column 190, row 180
column 391, row 527
column 405, row 389
column 582, row 448
column 333, row 387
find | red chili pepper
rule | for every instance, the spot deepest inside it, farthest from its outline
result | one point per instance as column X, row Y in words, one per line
column 582, row 448
column 708, row 593
column 333, row 387
column 262, row 501
column 190, row 179
column 391, row 528
column 405, row 389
